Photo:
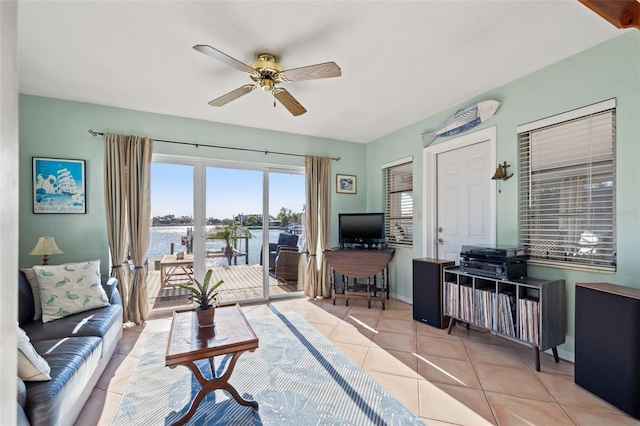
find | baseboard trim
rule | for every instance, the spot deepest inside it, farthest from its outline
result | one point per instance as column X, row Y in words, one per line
column 565, row 355
column 404, row 299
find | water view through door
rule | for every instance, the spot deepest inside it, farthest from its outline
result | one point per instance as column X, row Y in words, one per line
column 232, row 233
column 171, row 232
column 286, row 231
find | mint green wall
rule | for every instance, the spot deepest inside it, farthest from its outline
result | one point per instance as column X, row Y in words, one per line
column 55, row 128
column 59, row 129
column 609, row 70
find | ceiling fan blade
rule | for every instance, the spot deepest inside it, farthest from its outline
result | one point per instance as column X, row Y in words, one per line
column 223, row 57
column 235, row 94
column 312, row 72
column 288, row 101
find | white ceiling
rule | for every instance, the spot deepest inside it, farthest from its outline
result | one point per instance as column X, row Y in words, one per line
column 401, row 61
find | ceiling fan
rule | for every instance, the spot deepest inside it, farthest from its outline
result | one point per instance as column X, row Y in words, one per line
column 266, row 74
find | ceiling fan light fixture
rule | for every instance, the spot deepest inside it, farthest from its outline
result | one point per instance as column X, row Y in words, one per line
column 266, row 73
column 266, row 63
column 266, row 84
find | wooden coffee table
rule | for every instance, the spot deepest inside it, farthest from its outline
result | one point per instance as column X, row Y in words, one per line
column 188, row 343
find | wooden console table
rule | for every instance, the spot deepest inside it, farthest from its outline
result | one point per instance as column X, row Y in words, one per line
column 360, row 263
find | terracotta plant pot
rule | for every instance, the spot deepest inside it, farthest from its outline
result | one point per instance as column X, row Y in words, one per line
column 206, row 317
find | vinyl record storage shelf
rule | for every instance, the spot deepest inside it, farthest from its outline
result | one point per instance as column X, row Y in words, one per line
column 527, row 310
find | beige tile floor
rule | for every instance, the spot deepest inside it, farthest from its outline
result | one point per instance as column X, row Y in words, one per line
column 469, row 377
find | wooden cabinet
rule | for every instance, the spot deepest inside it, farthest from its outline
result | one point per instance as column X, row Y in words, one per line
column 607, row 358
column 360, row 263
column 527, row 310
column 427, row 291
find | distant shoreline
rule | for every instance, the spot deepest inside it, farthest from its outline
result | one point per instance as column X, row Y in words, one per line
column 162, row 225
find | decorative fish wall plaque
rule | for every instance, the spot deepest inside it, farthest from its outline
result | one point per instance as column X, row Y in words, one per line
column 463, row 121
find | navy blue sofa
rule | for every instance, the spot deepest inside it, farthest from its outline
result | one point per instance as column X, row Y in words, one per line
column 77, row 347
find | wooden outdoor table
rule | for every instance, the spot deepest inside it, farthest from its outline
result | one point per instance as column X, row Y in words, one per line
column 174, row 271
column 188, row 343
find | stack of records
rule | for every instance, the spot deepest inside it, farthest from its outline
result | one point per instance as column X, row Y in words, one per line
column 504, row 315
column 451, row 299
column 466, row 304
column 484, row 302
column 529, row 320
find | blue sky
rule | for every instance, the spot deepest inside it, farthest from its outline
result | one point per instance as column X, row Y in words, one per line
column 229, row 191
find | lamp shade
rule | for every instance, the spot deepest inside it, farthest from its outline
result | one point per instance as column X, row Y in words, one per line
column 45, row 247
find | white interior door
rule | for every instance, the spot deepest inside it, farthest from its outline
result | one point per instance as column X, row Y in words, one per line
column 459, row 196
column 464, row 214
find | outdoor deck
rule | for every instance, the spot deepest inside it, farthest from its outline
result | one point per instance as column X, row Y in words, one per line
column 241, row 282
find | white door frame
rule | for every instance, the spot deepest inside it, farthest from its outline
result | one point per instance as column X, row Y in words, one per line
column 430, row 185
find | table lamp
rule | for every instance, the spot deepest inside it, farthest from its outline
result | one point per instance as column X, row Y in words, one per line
column 46, row 246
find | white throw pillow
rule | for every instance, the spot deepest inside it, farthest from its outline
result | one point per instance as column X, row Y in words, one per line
column 35, row 289
column 31, row 366
column 69, row 288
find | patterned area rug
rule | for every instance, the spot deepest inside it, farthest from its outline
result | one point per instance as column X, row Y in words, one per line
column 297, row 376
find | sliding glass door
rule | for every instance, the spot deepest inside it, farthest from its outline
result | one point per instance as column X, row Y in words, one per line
column 234, row 228
column 172, row 196
column 286, row 231
column 244, row 221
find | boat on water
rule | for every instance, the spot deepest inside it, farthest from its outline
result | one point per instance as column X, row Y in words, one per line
column 66, row 182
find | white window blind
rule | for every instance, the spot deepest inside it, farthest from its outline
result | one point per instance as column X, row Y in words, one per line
column 567, row 192
column 397, row 186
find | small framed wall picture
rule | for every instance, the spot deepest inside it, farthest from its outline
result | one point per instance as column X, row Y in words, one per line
column 59, row 185
column 346, row 184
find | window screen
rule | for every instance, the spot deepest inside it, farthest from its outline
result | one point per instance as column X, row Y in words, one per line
column 398, row 203
column 567, row 192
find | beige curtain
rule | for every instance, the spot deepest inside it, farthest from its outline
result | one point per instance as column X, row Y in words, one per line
column 317, row 282
column 127, row 170
column 324, row 207
column 139, row 154
column 115, row 196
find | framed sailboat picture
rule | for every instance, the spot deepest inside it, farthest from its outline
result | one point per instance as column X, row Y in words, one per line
column 59, row 185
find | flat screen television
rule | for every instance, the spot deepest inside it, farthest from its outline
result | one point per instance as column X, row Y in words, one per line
column 361, row 228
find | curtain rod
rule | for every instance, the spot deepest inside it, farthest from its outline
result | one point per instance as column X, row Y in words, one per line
column 197, row 145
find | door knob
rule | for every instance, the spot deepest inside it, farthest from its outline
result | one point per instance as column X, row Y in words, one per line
column 440, row 241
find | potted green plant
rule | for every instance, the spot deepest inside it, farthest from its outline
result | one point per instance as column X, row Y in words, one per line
column 206, row 298
column 230, row 233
